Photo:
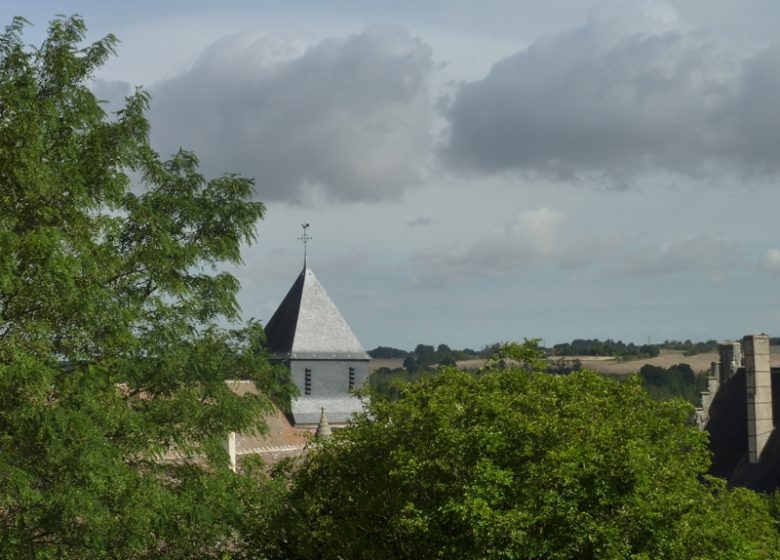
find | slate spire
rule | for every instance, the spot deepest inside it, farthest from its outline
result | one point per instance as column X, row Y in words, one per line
column 308, row 325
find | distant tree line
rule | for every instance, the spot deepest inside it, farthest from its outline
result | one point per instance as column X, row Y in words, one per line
column 427, row 356
column 609, row 347
column 690, row 348
column 388, row 353
column 421, row 362
column 620, row 349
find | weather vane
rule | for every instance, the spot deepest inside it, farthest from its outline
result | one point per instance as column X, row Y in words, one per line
column 305, row 238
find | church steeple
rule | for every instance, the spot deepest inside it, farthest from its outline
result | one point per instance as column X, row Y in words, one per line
column 308, row 325
column 325, row 359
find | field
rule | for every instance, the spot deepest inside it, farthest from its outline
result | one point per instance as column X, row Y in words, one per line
column 374, row 365
column 667, row 358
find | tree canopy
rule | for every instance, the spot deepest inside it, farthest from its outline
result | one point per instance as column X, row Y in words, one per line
column 677, row 381
column 520, row 464
column 111, row 351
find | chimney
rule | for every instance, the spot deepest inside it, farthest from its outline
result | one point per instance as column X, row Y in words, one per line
column 730, row 359
column 230, row 447
column 758, row 383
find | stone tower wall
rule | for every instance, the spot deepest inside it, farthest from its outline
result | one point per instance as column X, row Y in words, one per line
column 329, row 378
column 730, row 359
column 759, row 394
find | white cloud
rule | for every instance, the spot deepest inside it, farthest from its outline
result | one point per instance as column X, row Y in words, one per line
column 772, row 260
column 345, row 119
column 538, row 228
column 111, row 93
column 532, row 237
column 544, row 238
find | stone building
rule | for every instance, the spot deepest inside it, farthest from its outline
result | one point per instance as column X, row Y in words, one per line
column 739, row 412
column 326, row 361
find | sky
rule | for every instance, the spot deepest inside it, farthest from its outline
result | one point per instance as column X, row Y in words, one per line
column 475, row 172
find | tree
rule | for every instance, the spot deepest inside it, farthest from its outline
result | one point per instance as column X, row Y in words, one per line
column 111, row 353
column 529, row 355
column 677, row 381
column 425, row 355
column 520, row 464
column 411, row 365
column 447, row 360
column 387, row 353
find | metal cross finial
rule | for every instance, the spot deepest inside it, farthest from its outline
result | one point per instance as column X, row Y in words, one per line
column 305, row 238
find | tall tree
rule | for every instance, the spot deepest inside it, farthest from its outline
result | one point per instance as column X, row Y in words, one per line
column 520, row 464
column 111, row 354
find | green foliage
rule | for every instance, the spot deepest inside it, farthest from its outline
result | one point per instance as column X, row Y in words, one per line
column 563, row 366
column 690, row 348
column 423, row 362
column 619, row 349
column 411, row 364
column 677, row 381
column 596, row 347
column 110, row 351
column 387, row 383
column 425, row 353
column 425, row 357
column 387, row 353
column 529, row 355
column 519, row 464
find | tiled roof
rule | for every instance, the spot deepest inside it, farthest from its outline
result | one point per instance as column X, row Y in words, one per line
column 308, row 325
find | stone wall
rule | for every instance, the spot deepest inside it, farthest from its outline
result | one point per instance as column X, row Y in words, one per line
column 328, row 387
column 759, row 394
column 329, row 378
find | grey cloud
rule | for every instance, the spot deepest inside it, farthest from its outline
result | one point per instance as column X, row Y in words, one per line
column 754, row 113
column 617, row 97
column 421, row 221
column 346, row 119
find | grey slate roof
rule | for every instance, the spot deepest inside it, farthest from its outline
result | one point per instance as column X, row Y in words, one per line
column 308, row 325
